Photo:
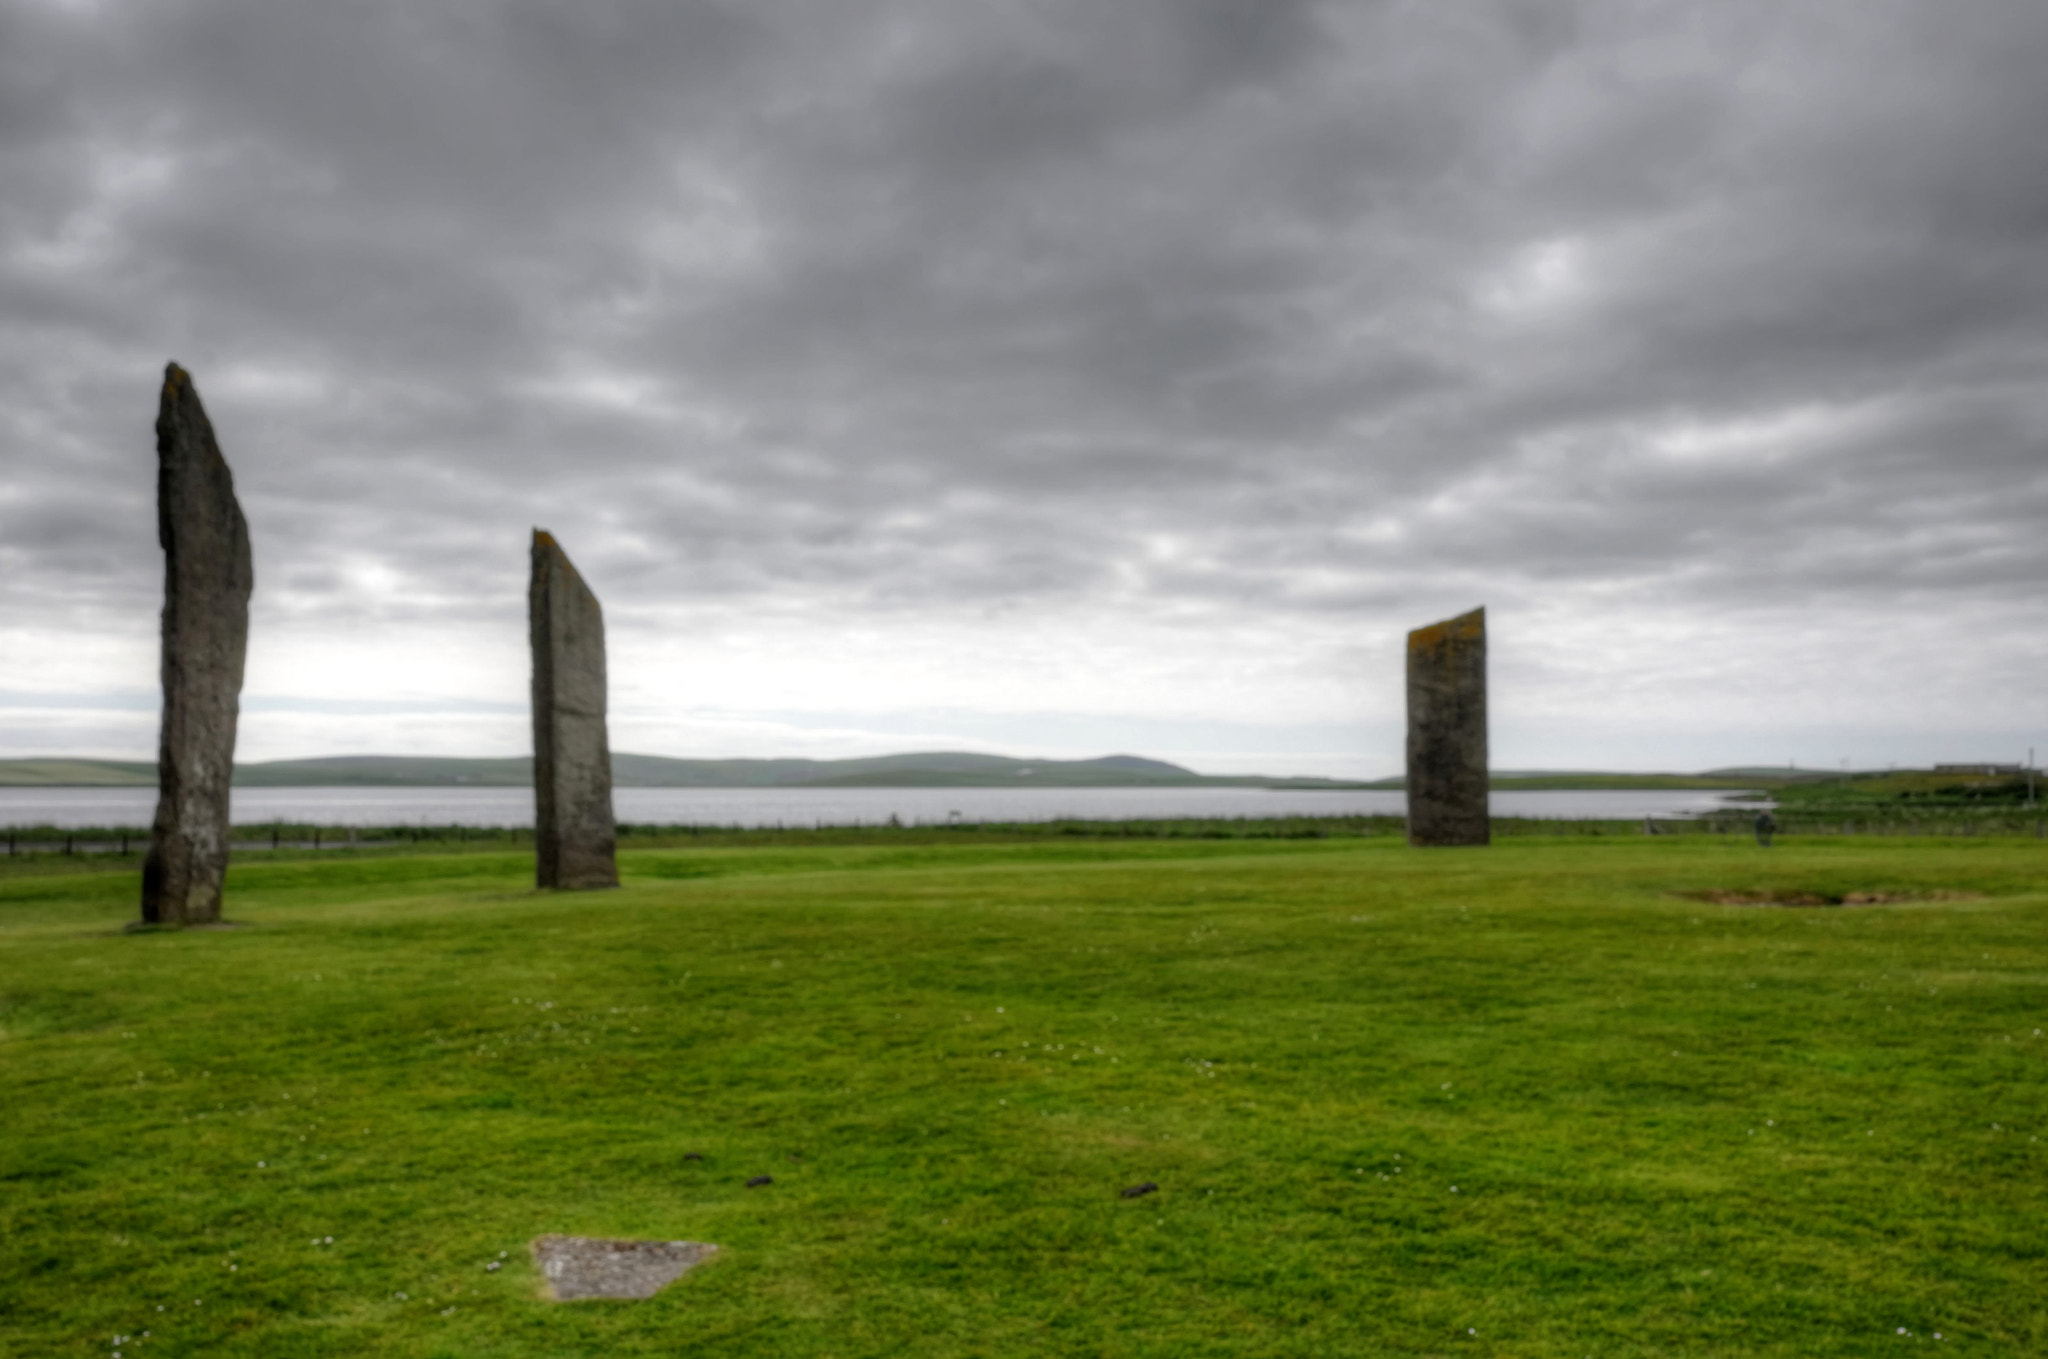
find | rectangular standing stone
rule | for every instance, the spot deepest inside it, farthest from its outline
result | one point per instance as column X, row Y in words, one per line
column 574, row 836
column 1447, row 733
column 207, row 581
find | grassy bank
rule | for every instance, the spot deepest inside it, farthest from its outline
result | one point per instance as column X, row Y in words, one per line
column 1541, row 1099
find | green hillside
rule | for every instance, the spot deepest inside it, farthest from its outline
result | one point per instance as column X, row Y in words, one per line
column 77, row 773
column 1907, row 788
column 386, row 771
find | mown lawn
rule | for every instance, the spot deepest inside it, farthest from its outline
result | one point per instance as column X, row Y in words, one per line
column 1516, row 1101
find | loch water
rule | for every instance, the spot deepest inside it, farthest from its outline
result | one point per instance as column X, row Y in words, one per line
column 799, row 807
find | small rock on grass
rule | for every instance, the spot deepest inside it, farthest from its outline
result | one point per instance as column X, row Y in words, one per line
column 1139, row 1191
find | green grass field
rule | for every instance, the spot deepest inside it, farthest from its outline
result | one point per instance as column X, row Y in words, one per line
column 1529, row 1100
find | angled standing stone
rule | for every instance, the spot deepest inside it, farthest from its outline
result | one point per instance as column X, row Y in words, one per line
column 573, row 832
column 1447, row 732
column 207, row 580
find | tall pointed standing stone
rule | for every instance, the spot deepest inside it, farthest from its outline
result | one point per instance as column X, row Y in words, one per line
column 1447, row 732
column 207, row 580
column 573, row 832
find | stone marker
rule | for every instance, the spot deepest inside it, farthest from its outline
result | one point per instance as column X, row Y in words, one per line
column 1447, row 732
column 573, row 833
column 592, row 1267
column 207, row 580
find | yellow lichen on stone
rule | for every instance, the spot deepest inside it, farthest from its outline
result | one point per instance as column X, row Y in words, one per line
column 1466, row 627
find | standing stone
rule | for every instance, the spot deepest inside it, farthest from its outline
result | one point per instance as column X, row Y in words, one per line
column 1447, row 732
column 574, row 836
column 207, row 580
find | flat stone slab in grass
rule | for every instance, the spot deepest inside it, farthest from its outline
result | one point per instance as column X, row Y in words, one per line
column 593, row 1267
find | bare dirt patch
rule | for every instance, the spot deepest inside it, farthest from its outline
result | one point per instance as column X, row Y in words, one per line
column 596, row 1267
column 1798, row 897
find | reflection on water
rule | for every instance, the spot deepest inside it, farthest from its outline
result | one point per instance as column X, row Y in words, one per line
column 758, row 807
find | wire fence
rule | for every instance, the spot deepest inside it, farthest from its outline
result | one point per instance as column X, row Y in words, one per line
column 120, row 841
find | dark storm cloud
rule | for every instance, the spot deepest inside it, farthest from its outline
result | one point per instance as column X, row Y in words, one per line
column 1279, row 305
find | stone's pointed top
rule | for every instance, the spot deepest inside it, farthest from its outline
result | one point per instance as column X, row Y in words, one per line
column 1464, row 627
column 184, row 433
column 545, row 548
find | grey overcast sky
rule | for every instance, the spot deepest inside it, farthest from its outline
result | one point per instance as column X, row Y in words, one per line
column 1051, row 376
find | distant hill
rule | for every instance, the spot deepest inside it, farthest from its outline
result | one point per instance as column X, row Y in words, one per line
column 386, row 771
column 1906, row 788
column 76, row 773
column 920, row 769
column 929, row 769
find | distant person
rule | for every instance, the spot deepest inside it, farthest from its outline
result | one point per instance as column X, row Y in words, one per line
column 1765, row 824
